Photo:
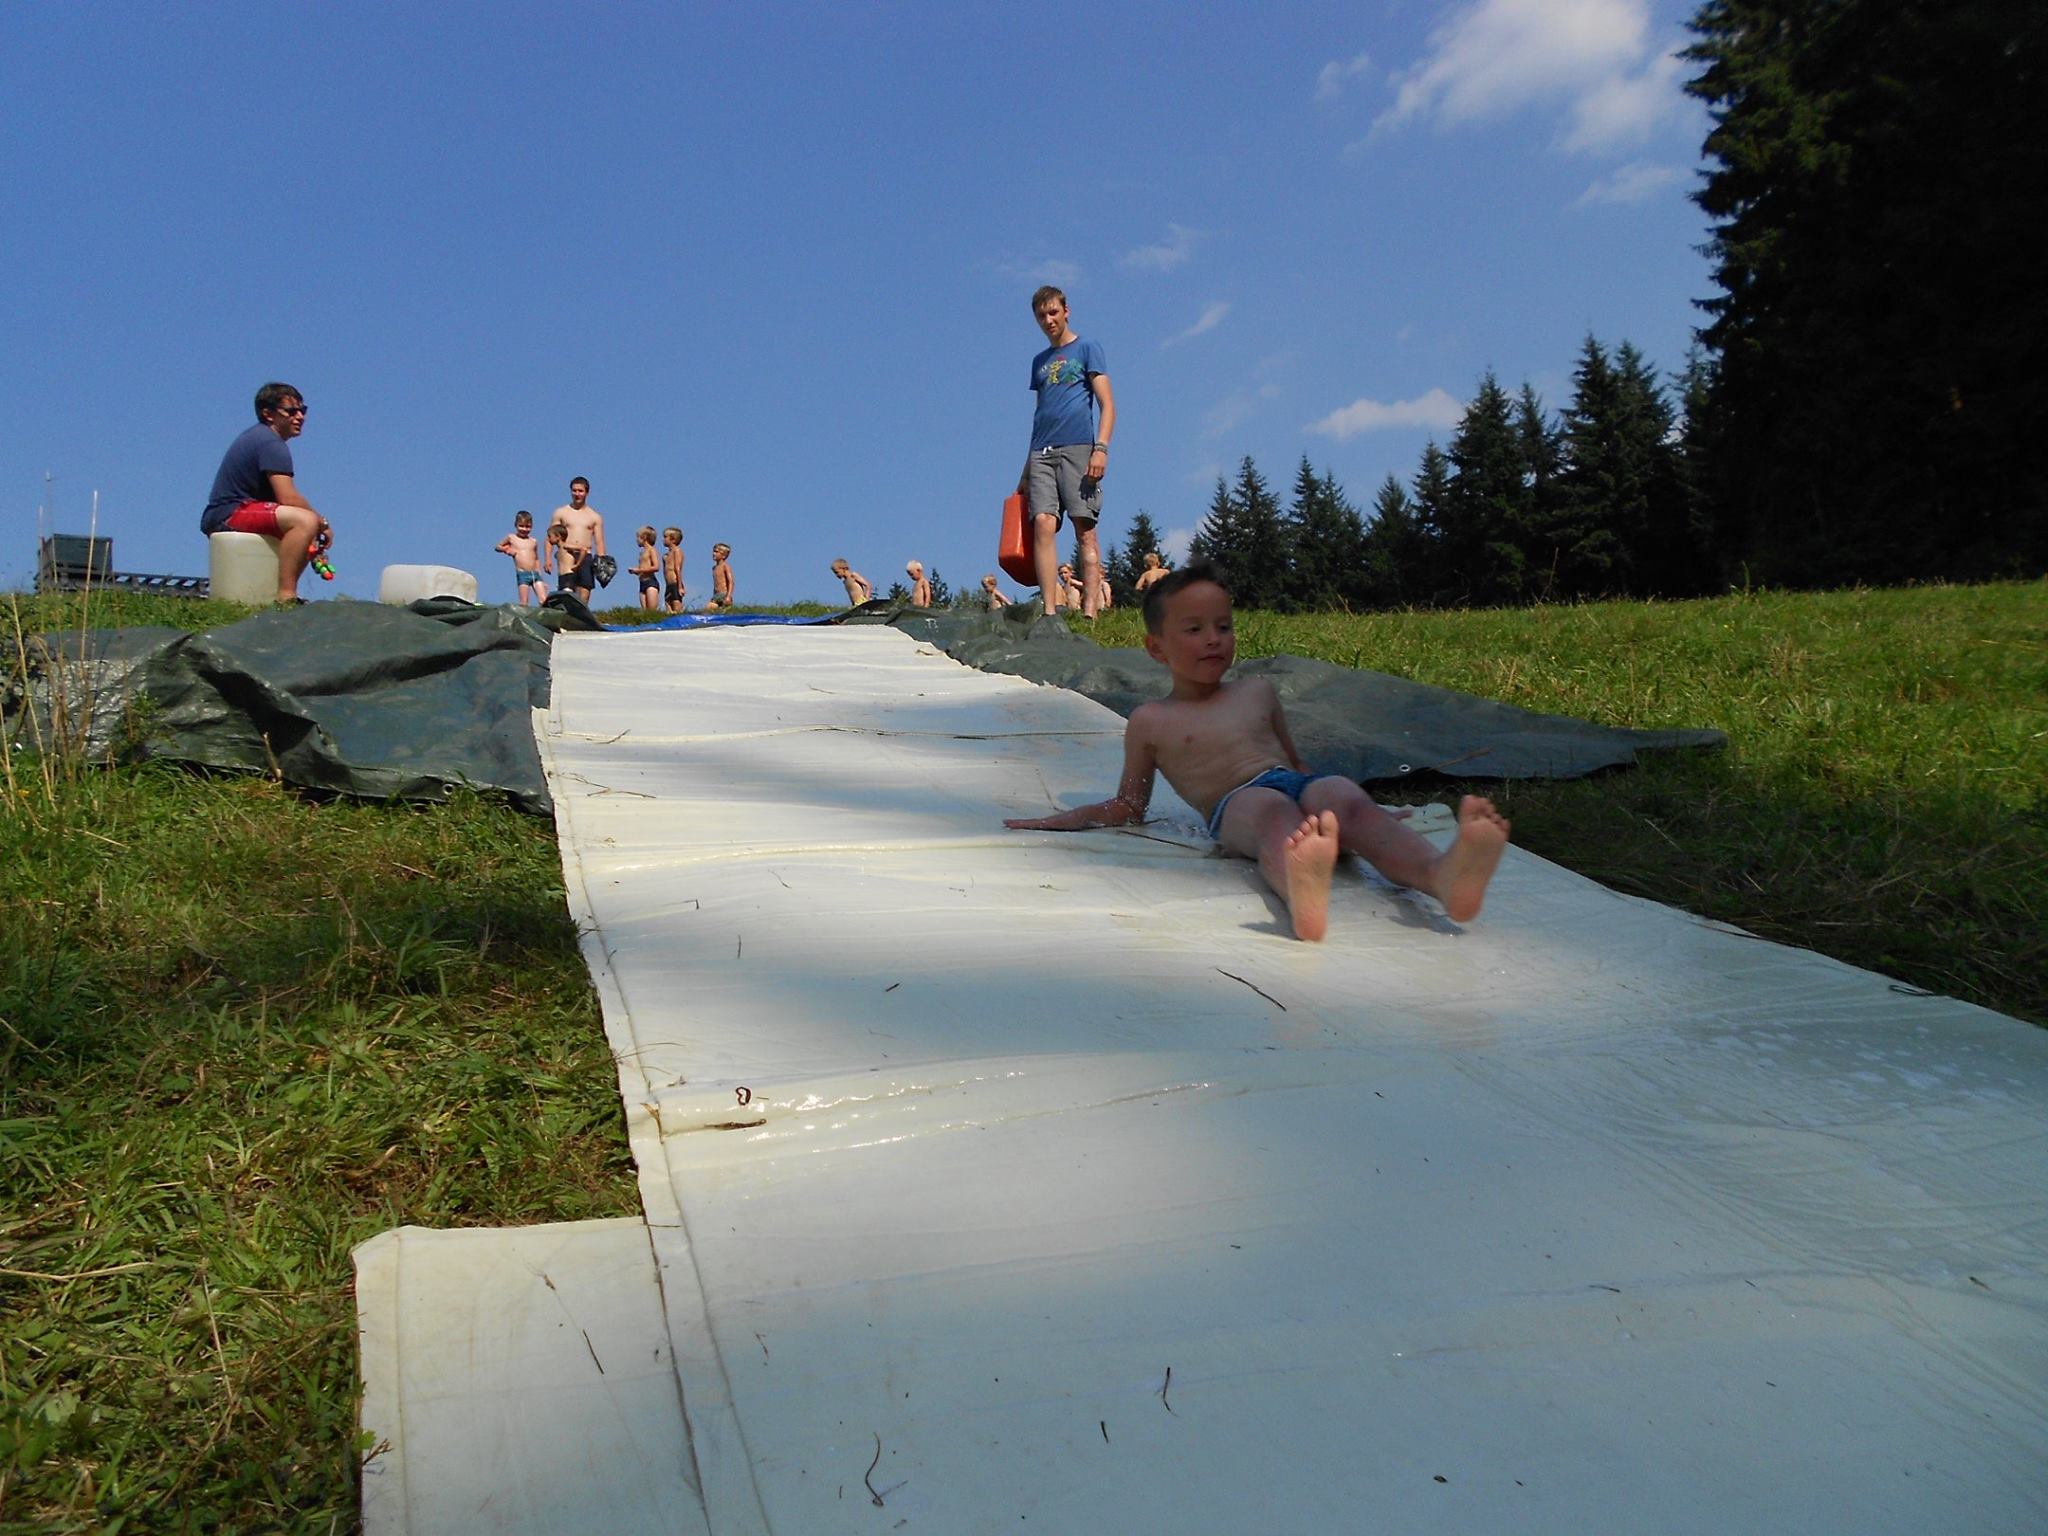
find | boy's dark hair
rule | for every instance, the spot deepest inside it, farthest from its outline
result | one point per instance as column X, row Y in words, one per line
column 1047, row 292
column 272, row 395
column 579, row 480
column 522, row 515
column 1177, row 582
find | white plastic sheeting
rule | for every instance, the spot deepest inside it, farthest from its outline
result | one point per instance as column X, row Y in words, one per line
column 1009, row 1181
column 517, row 1381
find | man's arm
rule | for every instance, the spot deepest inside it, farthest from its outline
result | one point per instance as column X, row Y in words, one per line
column 286, row 494
column 1105, row 404
column 597, row 529
column 1127, row 805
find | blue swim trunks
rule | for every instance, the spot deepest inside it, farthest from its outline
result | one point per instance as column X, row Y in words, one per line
column 1286, row 780
column 528, row 578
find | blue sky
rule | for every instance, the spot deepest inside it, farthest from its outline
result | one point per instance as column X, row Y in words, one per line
column 765, row 271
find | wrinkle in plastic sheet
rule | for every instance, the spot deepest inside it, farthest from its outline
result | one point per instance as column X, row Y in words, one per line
column 956, row 1140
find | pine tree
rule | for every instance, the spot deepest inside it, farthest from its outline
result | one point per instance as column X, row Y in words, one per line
column 1220, row 538
column 1328, row 539
column 1579, row 541
column 1433, row 581
column 1652, row 523
column 1486, row 532
column 1394, row 555
column 1877, row 178
column 1542, row 470
column 1259, row 576
column 942, row 595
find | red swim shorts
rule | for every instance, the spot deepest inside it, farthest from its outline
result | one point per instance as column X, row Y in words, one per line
column 254, row 517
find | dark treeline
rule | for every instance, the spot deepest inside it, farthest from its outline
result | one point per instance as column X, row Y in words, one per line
column 1866, row 402
column 1522, row 506
column 1877, row 177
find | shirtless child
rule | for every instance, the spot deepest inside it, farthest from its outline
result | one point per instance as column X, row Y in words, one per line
column 582, row 539
column 721, row 575
column 672, row 588
column 526, row 555
column 647, row 569
column 858, row 589
column 1154, row 572
column 993, row 594
column 920, row 589
column 1224, row 747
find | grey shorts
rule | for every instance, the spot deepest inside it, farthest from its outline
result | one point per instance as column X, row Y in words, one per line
column 1058, row 485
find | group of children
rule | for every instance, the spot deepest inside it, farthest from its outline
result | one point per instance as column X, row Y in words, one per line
column 659, row 571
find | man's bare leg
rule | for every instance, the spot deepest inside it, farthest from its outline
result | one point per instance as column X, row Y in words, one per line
column 1296, row 854
column 1045, row 558
column 1091, row 570
column 298, row 528
column 1457, row 877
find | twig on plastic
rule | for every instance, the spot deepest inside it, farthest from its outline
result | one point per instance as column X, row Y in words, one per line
column 1269, row 997
column 868, row 1476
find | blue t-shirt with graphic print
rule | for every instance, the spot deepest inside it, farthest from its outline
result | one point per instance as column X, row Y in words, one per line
column 1066, row 405
column 245, row 471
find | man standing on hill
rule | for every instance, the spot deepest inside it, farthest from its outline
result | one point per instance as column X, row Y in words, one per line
column 1069, row 450
column 253, row 491
column 582, row 539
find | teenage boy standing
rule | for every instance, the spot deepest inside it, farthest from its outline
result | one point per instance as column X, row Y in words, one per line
column 1070, row 431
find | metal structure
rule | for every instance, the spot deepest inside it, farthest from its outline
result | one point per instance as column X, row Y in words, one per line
column 76, row 562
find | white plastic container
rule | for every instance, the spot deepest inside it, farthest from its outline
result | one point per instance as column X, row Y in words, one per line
column 242, row 567
column 410, row 583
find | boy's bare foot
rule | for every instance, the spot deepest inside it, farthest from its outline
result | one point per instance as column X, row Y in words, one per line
column 1464, row 869
column 1310, row 854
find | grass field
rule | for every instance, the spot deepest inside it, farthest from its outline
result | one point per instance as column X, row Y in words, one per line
column 242, row 1031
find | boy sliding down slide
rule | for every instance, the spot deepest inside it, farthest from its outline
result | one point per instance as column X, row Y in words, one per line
column 1224, row 748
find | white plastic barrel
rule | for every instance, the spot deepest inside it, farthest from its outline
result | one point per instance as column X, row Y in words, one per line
column 242, row 567
column 409, row 583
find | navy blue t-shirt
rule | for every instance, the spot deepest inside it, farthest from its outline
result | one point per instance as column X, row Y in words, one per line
column 1066, row 405
column 245, row 471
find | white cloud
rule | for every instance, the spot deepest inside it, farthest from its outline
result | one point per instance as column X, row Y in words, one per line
column 1497, row 57
column 1627, row 108
column 1435, row 409
column 1330, row 80
column 1169, row 253
column 1173, row 544
column 1631, row 183
column 1211, row 318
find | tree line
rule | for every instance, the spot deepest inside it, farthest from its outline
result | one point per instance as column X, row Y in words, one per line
column 1521, row 506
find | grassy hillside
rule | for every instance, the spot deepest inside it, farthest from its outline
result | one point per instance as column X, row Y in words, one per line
column 241, row 1031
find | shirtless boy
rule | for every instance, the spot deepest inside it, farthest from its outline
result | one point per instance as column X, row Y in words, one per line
column 920, row 589
column 526, row 555
column 582, row 539
column 1153, row 573
column 993, row 593
column 646, row 569
column 721, row 575
column 1224, row 747
column 672, row 589
column 858, row 589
